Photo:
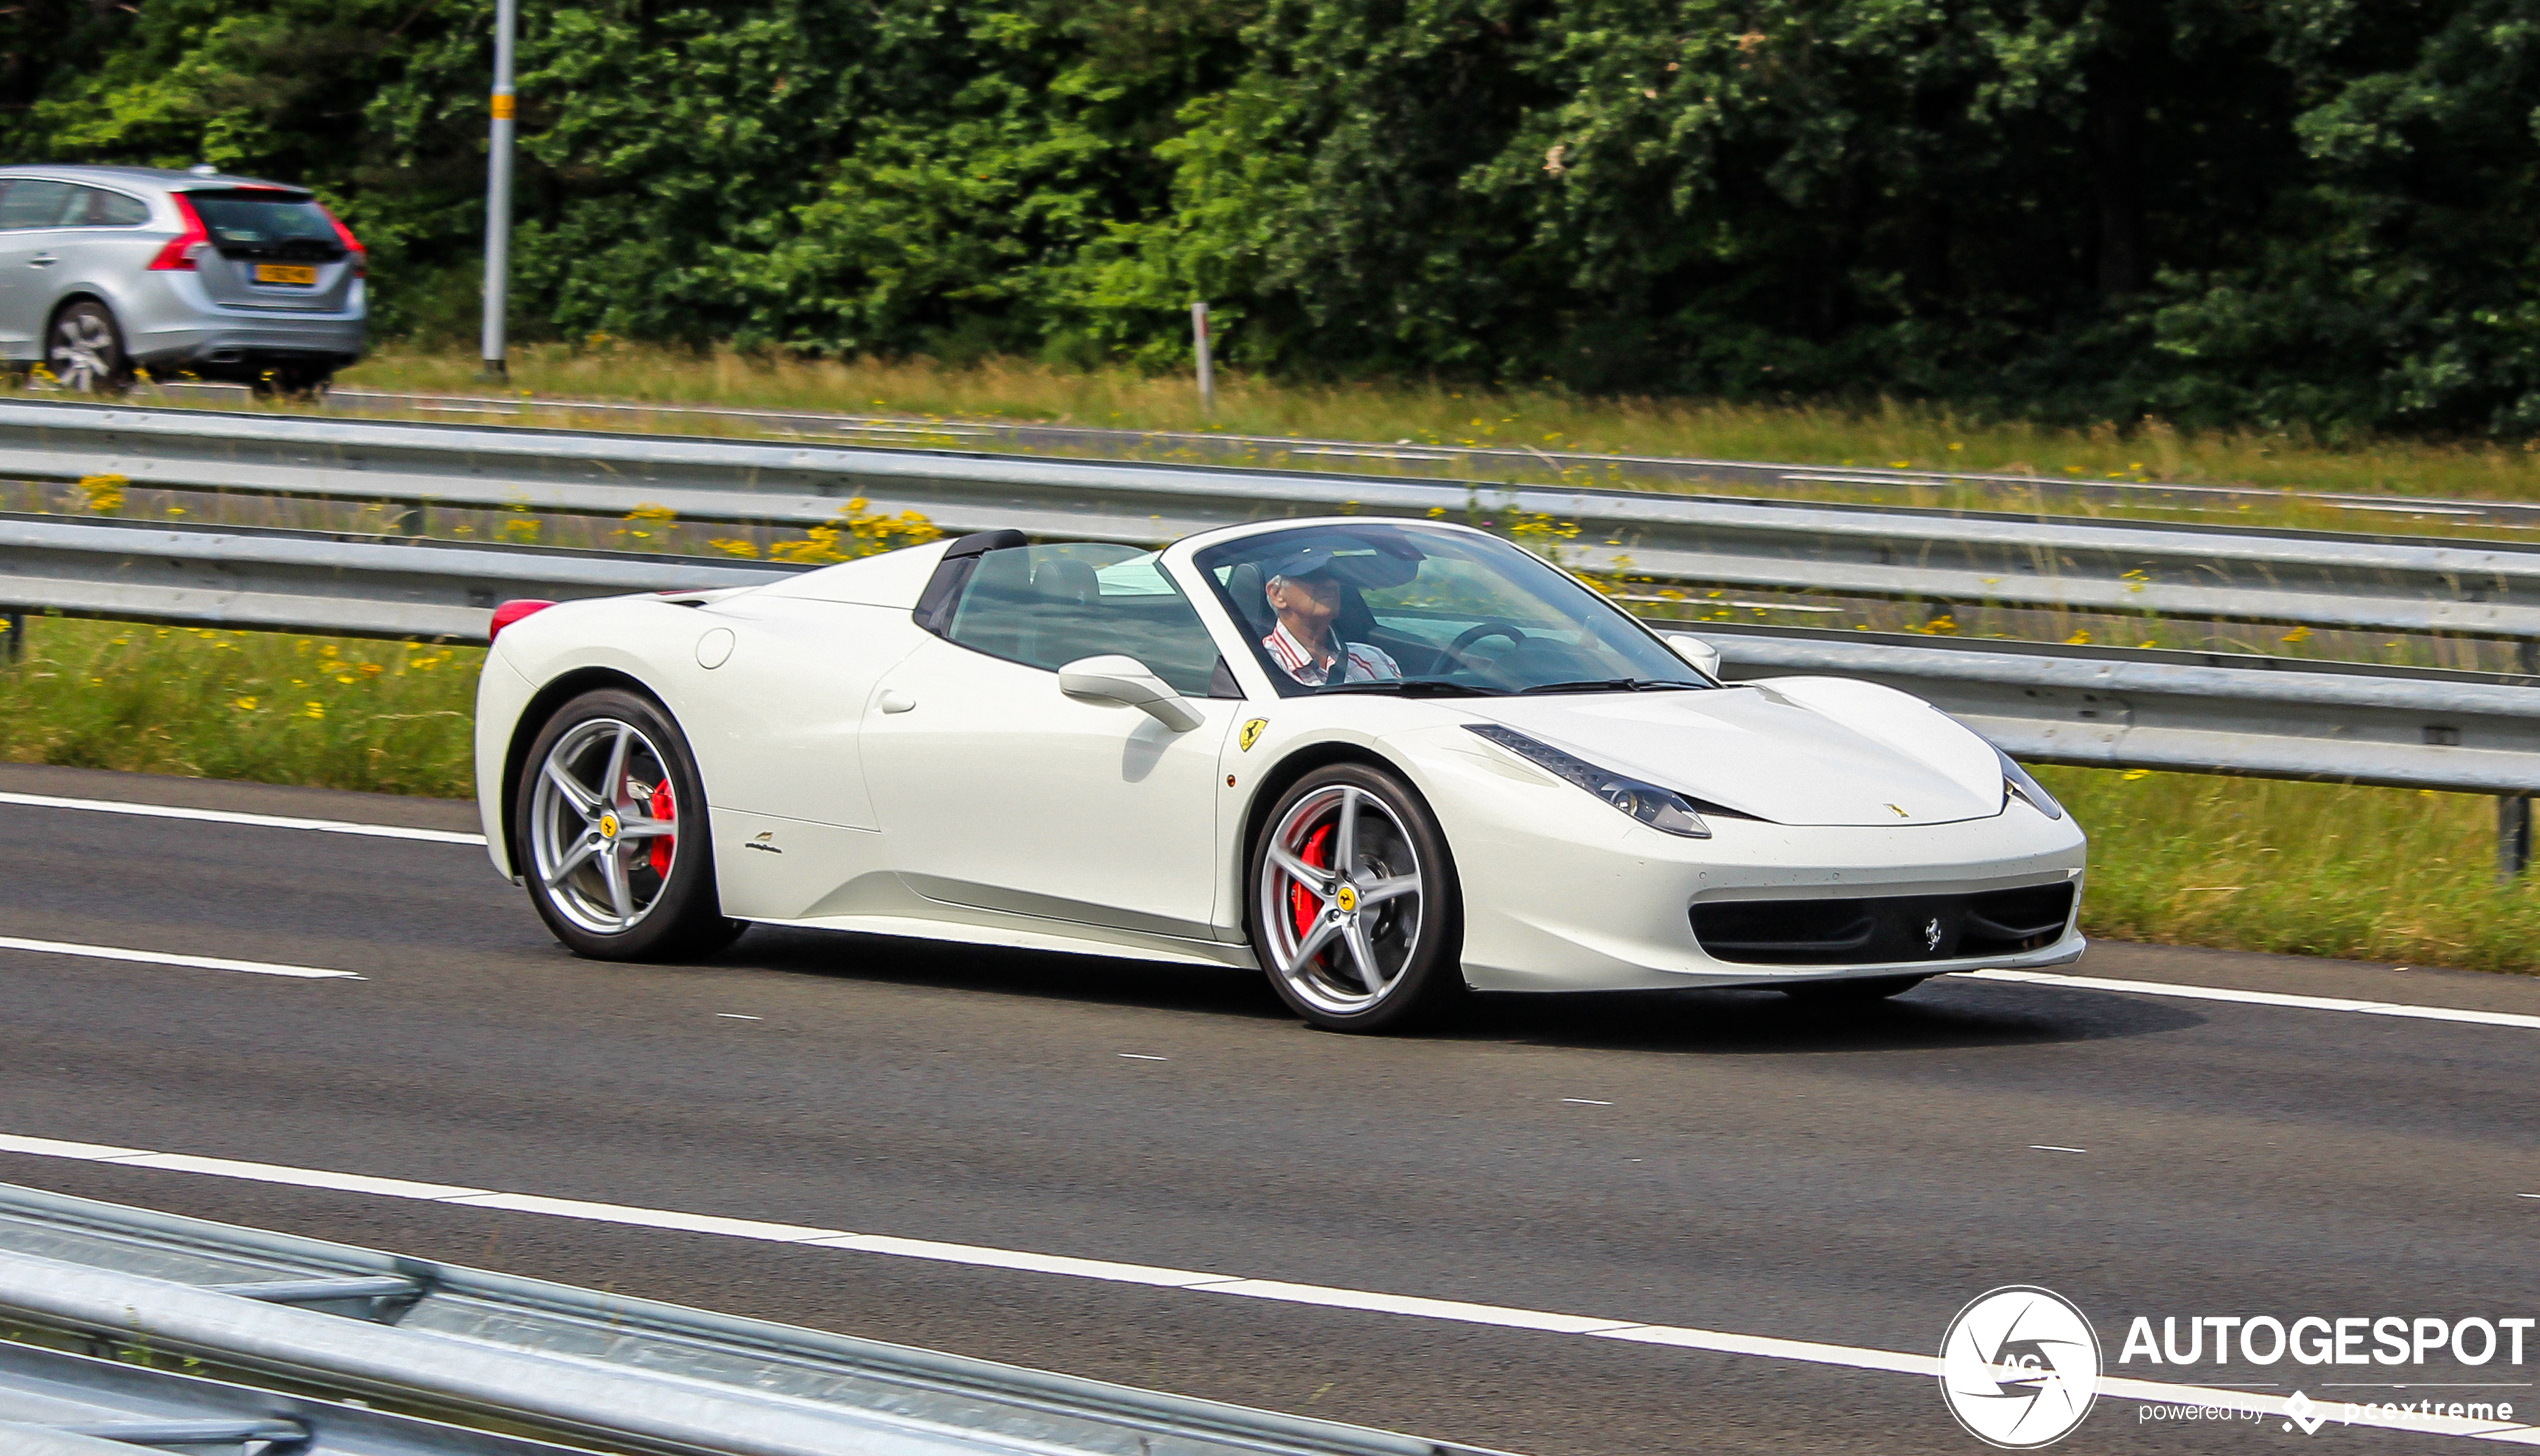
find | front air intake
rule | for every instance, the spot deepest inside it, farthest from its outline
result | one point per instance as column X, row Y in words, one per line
column 1880, row 929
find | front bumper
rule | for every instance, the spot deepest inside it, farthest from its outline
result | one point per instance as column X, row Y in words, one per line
column 1561, row 893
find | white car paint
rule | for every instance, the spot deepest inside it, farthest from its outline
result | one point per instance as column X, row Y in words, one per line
column 865, row 774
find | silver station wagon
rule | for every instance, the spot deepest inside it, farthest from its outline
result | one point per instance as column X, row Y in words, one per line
column 109, row 270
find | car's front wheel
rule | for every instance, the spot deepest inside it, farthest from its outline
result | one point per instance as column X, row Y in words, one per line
column 610, row 818
column 1355, row 909
column 84, row 350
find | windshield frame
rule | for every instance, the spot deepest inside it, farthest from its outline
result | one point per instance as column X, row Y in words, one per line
column 1570, row 599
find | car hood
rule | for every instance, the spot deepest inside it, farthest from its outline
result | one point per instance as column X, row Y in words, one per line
column 1792, row 751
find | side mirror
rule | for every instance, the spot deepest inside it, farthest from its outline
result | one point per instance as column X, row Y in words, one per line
column 1696, row 651
column 1126, row 681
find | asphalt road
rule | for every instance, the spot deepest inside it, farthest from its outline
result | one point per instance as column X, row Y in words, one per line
column 1730, row 1161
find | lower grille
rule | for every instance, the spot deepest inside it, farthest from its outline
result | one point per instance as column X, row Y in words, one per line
column 1855, row 930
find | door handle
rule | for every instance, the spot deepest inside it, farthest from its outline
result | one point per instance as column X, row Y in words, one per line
column 895, row 702
column 43, row 260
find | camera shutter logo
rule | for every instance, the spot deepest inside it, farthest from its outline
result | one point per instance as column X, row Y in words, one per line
column 2019, row 1367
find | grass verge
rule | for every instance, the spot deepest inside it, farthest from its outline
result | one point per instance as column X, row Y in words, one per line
column 1900, row 436
column 2318, row 869
column 279, row 708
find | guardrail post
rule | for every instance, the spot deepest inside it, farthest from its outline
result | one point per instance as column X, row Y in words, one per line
column 1207, row 370
column 2513, row 837
column 13, row 629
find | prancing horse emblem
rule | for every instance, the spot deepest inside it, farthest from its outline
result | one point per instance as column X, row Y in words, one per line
column 1931, row 933
column 1252, row 732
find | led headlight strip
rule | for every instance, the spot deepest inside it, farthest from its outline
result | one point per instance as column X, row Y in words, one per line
column 2016, row 784
column 1664, row 810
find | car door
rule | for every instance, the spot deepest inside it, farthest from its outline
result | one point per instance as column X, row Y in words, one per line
column 997, row 791
column 31, row 236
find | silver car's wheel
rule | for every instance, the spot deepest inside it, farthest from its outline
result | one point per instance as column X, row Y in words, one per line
column 598, row 843
column 85, row 351
column 1354, row 902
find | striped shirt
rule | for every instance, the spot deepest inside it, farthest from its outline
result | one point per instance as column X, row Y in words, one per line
column 1365, row 663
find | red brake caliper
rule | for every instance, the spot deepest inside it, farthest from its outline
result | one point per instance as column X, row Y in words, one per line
column 1301, row 901
column 667, row 812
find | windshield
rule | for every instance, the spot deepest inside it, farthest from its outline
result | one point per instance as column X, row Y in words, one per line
column 1385, row 608
column 262, row 219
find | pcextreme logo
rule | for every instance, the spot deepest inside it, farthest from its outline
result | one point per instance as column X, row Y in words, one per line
column 2019, row 1367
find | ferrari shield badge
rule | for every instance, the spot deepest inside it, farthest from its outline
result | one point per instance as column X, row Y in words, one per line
column 1252, row 733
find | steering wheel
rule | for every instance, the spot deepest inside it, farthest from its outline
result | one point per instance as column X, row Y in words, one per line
column 1495, row 627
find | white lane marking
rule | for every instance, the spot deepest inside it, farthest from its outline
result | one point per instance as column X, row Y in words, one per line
column 1195, row 1281
column 1587, row 1102
column 1143, row 1057
column 224, row 816
column 738, row 1016
column 164, row 958
column 2261, row 998
column 2051, row 1148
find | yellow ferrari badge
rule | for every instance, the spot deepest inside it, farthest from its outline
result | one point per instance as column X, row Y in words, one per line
column 608, row 826
column 1252, row 733
column 1346, row 898
column 1900, row 813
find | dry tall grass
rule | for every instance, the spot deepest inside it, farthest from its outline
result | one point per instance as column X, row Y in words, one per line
column 1429, row 413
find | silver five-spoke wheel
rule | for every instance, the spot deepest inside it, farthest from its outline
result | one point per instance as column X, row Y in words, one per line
column 1341, row 899
column 85, row 352
column 603, row 828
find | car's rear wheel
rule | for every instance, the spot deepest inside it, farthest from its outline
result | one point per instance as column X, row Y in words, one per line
column 84, row 350
column 1841, row 993
column 610, row 818
column 1355, row 908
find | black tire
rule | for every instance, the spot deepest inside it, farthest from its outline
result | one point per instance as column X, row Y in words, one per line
column 1852, row 993
column 679, row 915
column 84, row 350
column 1421, row 941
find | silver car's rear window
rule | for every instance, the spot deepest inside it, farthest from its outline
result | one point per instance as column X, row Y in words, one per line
column 256, row 219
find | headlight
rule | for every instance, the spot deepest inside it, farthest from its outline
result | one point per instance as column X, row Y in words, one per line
column 2016, row 784
column 1664, row 810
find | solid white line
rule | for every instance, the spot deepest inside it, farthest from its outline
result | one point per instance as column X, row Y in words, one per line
column 2261, row 998
column 1189, row 1280
column 2051, row 1148
column 223, row 816
column 164, row 958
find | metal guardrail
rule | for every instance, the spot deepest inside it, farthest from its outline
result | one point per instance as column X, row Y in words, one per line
column 311, row 581
column 2097, row 706
column 2315, row 579
column 2060, row 492
column 2110, row 707
column 479, row 1352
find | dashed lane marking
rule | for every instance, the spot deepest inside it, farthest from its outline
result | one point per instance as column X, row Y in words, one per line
column 224, row 816
column 2260, row 998
column 167, row 958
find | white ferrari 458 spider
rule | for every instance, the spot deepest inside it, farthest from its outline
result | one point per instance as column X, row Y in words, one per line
column 1383, row 761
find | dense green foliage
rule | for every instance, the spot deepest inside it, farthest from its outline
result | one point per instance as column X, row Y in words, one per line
column 2276, row 211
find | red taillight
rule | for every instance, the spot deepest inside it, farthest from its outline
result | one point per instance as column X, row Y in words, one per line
column 179, row 253
column 352, row 245
column 510, row 612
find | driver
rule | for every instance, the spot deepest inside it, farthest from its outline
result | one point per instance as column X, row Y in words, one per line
column 1306, row 593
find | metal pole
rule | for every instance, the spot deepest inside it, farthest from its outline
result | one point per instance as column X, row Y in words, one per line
column 13, row 626
column 1199, row 343
column 2513, row 837
column 498, row 190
